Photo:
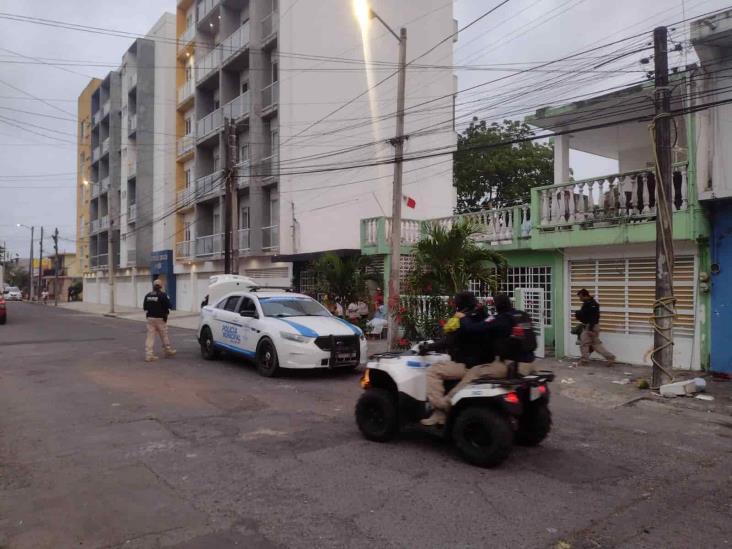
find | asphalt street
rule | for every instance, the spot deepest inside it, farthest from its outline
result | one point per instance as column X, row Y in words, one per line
column 100, row 449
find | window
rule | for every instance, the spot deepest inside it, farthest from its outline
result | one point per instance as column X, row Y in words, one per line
column 275, row 71
column 291, row 306
column 244, row 87
column 247, row 306
column 216, row 160
column 231, row 303
column 187, row 231
column 244, row 217
column 189, row 125
column 188, row 178
column 244, row 153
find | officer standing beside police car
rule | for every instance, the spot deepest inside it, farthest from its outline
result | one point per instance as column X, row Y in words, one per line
column 157, row 308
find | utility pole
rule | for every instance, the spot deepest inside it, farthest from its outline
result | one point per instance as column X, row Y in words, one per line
column 30, row 268
column 396, row 199
column 110, row 264
column 40, row 264
column 229, row 210
column 664, row 307
column 55, row 277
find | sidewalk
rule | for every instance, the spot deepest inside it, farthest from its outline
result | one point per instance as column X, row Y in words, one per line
column 177, row 319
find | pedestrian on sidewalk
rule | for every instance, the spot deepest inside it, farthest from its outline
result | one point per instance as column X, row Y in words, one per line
column 157, row 308
column 589, row 316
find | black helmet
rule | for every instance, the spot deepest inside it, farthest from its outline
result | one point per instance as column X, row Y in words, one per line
column 465, row 301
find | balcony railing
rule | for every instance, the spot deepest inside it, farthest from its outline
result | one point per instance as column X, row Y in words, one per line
column 210, row 123
column 271, row 95
column 94, row 225
column 185, row 248
column 186, row 37
column 269, row 167
column 95, row 187
column 132, row 80
column 270, row 238
column 607, row 199
column 208, row 184
column 105, row 146
column 269, row 25
column 103, row 222
column 244, row 240
column 106, row 108
column 204, row 7
column 131, row 124
column 97, row 118
column 244, row 174
column 96, row 154
column 499, row 225
column 209, row 245
column 208, row 63
column 185, row 91
column 185, row 144
column 184, row 197
column 237, row 41
column 132, row 213
column 101, row 261
column 104, row 185
column 238, row 107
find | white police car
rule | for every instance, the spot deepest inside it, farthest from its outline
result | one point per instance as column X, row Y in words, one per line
column 278, row 329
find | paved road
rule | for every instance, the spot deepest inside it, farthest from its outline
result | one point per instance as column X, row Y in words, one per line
column 99, row 449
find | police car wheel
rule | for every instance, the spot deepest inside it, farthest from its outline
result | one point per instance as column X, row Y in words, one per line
column 208, row 350
column 268, row 364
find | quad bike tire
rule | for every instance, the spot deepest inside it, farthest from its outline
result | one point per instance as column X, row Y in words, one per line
column 376, row 415
column 534, row 425
column 482, row 436
column 208, row 351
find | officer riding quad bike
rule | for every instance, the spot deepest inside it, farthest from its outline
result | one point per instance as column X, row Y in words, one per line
column 486, row 418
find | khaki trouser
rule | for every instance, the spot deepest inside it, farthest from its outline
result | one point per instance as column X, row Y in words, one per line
column 160, row 327
column 589, row 341
column 441, row 371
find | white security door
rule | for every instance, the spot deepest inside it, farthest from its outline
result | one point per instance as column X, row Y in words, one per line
column 531, row 300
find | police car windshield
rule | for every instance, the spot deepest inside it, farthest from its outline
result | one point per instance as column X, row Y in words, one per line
column 291, row 306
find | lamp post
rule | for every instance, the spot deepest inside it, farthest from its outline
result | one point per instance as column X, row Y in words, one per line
column 30, row 262
column 364, row 13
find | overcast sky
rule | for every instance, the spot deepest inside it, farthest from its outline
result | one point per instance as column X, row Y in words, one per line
column 37, row 173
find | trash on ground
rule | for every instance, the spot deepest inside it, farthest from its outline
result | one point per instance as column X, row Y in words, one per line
column 628, row 373
column 643, row 384
column 568, row 381
column 704, row 397
column 622, row 381
column 683, row 388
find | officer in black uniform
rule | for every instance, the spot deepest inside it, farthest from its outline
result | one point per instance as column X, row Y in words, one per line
column 157, row 308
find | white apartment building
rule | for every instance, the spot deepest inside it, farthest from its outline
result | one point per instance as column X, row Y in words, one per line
column 288, row 75
column 131, row 181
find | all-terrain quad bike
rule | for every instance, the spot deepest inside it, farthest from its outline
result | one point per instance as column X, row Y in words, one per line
column 486, row 418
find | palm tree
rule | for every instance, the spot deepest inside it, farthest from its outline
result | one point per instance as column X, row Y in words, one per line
column 447, row 259
column 342, row 278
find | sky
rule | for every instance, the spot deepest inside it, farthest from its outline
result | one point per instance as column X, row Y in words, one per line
column 37, row 172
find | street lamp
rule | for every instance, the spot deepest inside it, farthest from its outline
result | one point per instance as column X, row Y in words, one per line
column 363, row 14
column 30, row 262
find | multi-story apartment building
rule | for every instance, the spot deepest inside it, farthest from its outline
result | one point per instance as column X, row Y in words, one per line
column 132, row 168
column 83, row 175
column 285, row 74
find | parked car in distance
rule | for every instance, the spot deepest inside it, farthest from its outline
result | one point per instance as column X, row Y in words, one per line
column 12, row 293
column 3, row 311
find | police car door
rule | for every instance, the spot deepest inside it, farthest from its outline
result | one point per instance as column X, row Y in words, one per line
column 227, row 323
column 249, row 320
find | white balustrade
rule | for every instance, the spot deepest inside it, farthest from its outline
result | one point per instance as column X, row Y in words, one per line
column 210, row 123
column 236, row 42
column 271, row 95
column 410, row 233
column 209, row 183
column 186, row 37
column 270, row 238
column 270, row 24
column 209, row 62
column 185, row 144
column 209, row 245
column 244, row 240
column 371, row 230
column 184, row 249
column 184, row 197
column 132, row 213
column 185, row 91
column 204, row 7
column 237, row 107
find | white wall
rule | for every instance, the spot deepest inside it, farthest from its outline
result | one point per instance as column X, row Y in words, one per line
column 329, row 206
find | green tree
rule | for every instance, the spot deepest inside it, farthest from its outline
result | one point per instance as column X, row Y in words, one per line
column 342, row 278
column 488, row 176
column 446, row 260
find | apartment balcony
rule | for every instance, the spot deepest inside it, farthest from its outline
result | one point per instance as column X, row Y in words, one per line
column 270, row 98
column 132, row 80
column 132, row 125
column 270, row 25
column 97, row 117
column 96, row 154
column 94, row 225
column 132, row 213
column 131, row 168
column 185, row 146
column 185, row 198
column 208, row 64
column 205, row 8
column 270, row 238
column 95, row 187
column 209, row 185
column 244, row 240
column 101, row 261
column 211, row 245
column 104, row 186
column 185, row 92
column 235, row 44
column 105, row 146
column 237, row 108
column 608, row 200
column 185, row 39
column 185, row 249
column 106, row 108
column 104, row 222
column 269, row 168
column 211, row 123
column 244, row 174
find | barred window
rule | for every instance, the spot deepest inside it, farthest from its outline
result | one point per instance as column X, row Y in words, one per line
column 522, row 277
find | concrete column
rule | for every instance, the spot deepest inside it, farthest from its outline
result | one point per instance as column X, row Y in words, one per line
column 561, row 159
column 133, row 280
column 256, row 124
column 194, row 288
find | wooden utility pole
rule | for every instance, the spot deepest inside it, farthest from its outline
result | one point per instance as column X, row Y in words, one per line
column 229, row 182
column 40, row 265
column 664, row 307
column 31, row 282
column 396, row 199
column 55, row 277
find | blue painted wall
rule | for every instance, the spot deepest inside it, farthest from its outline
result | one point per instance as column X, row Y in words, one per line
column 721, row 317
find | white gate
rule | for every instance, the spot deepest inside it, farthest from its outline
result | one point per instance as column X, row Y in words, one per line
column 531, row 300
